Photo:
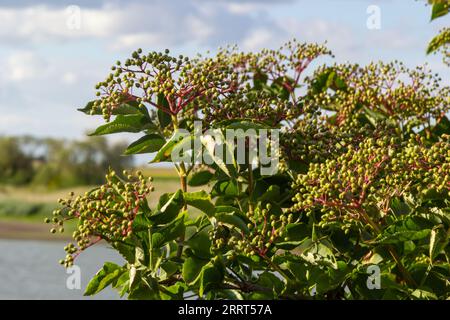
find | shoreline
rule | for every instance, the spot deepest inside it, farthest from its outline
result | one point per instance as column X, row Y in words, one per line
column 28, row 230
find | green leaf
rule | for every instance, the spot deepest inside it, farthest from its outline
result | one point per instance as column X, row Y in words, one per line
column 192, row 267
column 271, row 194
column 439, row 9
column 169, row 207
column 147, row 144
column 244, row 125
column 200, row 178
column 404, row 235
column 210, row 276
column 200, row 200
column 259, row 80
column 297, row 231
column 103, row 278
column 169, row 232
column 442, row 39
column 278, row 86
column 163, row 118
column 164, row 153
column 225, row 162
column 174, row 292
column 125, row 123
column 232, row 219
column 200, row 244
column 141, row 223
column 443, row 127
column 327, row 79
column 409, row 228
column 399, row 207
column 269, row 280
column 373, row 116
column 321, row 254
column 162, row 101
column 125, row 251
column 89, row 108
column 169, row 268
column 130, row 107
column 423, row 295
column 145, row 288
column 439, row 240
column 298, row 166
column 224, row 187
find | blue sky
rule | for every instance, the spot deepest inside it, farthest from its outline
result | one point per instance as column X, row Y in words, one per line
column 49, row 67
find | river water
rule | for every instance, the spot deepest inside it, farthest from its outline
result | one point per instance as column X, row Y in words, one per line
column 30, row 270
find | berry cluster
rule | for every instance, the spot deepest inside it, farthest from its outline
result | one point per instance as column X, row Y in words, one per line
column 105, row 213
column 275, row 74
column 313, row 138
column 265, row 226
column 216, row 88
column 180, row 81
column 367, row 177
column 409, row 97
column 442, row 43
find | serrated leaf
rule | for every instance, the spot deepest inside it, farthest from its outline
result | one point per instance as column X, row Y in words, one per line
column 439, row 9
column 200, row 178
column 103, row 278
column 404, row 235
column 125, row 123
column 232, row 219
column 165, row 152
column 191, row 268
column 169, row 207
column 163, row 118
column 200, row 200
column 147, row 144
column 439, row 41
column 209, row 277
column 130, row 107
column 169, row 232
column 226, row 161
column 200, row 244
column 259, row 80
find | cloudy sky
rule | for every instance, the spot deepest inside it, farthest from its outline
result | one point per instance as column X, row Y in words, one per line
column 53, row 52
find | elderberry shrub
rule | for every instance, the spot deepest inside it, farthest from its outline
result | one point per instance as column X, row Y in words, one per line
column 363, row 180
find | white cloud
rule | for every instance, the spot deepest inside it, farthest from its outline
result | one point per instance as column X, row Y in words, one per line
column 260, row 38
column 133, row 41
column 242, row 8
column 340, row 37
column 23, row 65
column 158, row 22
column 69, row 78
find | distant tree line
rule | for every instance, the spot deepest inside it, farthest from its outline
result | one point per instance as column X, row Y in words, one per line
column 58, row 163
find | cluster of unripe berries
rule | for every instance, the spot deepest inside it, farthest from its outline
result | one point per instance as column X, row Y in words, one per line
column 179, row 80
column 276, row 69
column 409, row 97
column 313, row 138
column 215, row 88
column 367, row 177
column 442, row 43
column 105, row 213
column 265, row 227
